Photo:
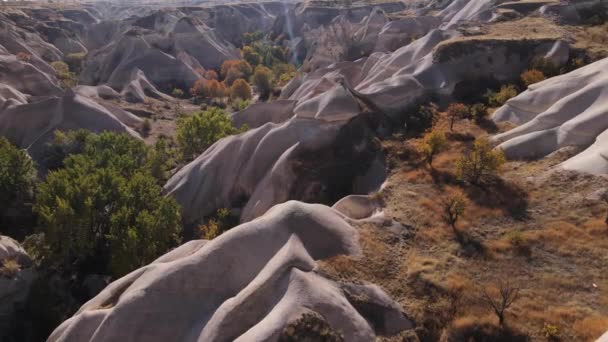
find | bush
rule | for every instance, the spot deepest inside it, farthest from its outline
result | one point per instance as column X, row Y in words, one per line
column 481, row 163
column 497, row 99
column 198, row 88
column 177, row 93
column 104, row 212
column 433, row 143
column 546, row 67
column 532, row 76
column 263, row 79
column 24, row 57
column 199, row 131
column 240, row 90
column 216, row 225
column 66, row 78
column 551, row 332
column 453, row 208
column 75, row 61
column 239, row 104
column 457, row 111
column 284, row 72
column 252, row 57
column 10, row 268
column 159, row 160
column 146, row 127
column 210, row 75
column 479, row 112
column 208, row 89
column 310, row 326
column 17, row 178
column 235, row 68
column 424, row 117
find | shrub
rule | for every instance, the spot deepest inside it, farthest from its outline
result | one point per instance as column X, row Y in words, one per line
column 199, row 131
column 479, row 112
column 104, row 212
column 239, row 104
column 453, row 208
column 240, row 90
column 532, row 76
column 422, row 118
column 480, row 163
column 208, row 89
column 159, row 160
column 252, row 57
column 310, row 326
column 177, row 93
column 66, row 78
column 216, row 225
column 457, row 111
column 10, row 268
column 433, row 143
column 210, row 75
column 251, row 37
column 75, row 60
column 238, row 67
column 497, row 99
column 17, row 178
column 545, row 66
column 551, row 332
column 263, row 79
column 146, row 127
column 24, row 57
column 284, row 72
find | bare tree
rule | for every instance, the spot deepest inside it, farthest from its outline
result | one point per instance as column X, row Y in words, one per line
column 507, row 295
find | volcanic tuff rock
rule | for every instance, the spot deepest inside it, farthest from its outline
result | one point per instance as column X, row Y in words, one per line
column 570, row 109
column 13, row 287
column 302, row 158
column 32, row 125
column 178, row 298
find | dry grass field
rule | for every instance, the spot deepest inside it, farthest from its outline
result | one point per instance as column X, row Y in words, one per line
column 543, row 232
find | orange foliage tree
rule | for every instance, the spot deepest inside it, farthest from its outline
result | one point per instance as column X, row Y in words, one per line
column 240, row 89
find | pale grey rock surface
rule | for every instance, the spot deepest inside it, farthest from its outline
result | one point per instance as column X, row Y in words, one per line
column 191, row 294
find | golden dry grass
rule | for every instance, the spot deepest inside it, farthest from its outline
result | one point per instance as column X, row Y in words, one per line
column 554, row 250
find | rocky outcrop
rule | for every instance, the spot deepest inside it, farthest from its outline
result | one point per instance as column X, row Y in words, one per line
column 188, row 295
column 302, row 158
column 15, row 281
column 566, row 110
column 31, row 125
column 432, row 66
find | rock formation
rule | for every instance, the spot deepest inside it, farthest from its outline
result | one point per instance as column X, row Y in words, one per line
column 272, row 284
column 561, row 111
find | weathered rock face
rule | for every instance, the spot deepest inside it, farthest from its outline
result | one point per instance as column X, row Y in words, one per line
column 14, row 286
column 32, row 125
column 432, row 66
column 302, row 158
column 188, row 294
column 566, row 110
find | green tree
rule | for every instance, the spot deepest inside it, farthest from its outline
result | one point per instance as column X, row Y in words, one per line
column 67, row 79
column 433, row 143
column 497, row 99
column 252, row 57
column 263, row 79
column 199, row 131
column 481, row 162
column 103, row 211
column 17, row 180
column 457, row 111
